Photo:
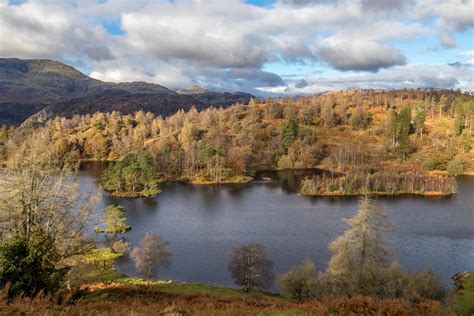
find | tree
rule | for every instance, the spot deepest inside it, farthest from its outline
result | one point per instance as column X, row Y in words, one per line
column 360, row 263
column 393, row 128
column 455, row 167
column 29, row 264
column 290, row 132
column 40, row 189
column 120, row 246
column 133, row 174
column 405, row 146
column 299, row 282
column 420, row 118
column 362, row 245
column 466, row 141
column 249, row 266
column 153, row 251
column 359, row 118
column 115, row 219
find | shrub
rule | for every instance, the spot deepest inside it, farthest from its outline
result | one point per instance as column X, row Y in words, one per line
column 299, row 282
column 120, row 246
column 455, row 167
column 429, row 165
column 29, row 264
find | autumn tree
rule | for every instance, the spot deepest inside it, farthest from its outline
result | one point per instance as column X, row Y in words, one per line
column 40, row 190
column 359, row 118
column 362, row 246
column 250, row 267
column 328, row 115
column 152, row 252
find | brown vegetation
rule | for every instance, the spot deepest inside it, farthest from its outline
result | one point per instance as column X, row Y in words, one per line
column 117, row 299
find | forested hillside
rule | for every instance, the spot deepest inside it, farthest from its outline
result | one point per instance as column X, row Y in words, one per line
column 29, row 86
column 389, row 142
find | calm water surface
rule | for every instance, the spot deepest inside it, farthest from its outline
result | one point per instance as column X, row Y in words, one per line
column 203, row 223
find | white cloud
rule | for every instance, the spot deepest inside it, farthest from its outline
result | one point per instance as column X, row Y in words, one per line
column 452, row 16
column 225, row 44
column 361, row 54
column 409, row 76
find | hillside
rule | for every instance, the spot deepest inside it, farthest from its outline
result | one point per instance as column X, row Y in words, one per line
column 28, row 86
column 389, row 142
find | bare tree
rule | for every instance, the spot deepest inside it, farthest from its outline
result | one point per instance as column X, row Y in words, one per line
column 249, row 266
column 153, row 251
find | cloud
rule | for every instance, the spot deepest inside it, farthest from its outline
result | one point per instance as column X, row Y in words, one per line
column 399, row 77
column 451, row 16
column 50, row 29
column 362, row 55
column 464, row 60
column 302, row 3
column 384, row 5
column 229, row 45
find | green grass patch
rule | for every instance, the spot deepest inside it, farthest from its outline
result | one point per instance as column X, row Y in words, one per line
column 465, row 302
column 185, row 288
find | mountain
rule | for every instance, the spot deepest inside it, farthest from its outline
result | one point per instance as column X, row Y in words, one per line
column 45, row 88
column 193, row 90
column 216, row 98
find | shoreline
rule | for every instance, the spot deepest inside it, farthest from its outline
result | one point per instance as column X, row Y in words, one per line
column 203, row 180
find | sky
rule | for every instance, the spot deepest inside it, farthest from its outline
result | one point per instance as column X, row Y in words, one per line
column 265, row 47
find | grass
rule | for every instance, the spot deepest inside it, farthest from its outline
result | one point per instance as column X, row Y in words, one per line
column 181, row 288
column 465, row 302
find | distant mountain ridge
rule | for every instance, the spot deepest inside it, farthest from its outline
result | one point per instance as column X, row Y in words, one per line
column 43, row 88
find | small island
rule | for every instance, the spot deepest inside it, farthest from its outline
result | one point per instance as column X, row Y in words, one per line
column 393, row 181
column 132, row 176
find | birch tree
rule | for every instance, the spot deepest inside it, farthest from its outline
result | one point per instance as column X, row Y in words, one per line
column 250, row 267
column 153, row 251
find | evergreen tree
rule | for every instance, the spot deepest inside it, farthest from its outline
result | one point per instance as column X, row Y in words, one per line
column 420, row 118
column 115, row 219
column 133, row 173
column 290, row 132
column 29, row 264
column 466, row 141
column 393, row 128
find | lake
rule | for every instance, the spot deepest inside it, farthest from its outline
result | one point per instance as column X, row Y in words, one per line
column 203, row 223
